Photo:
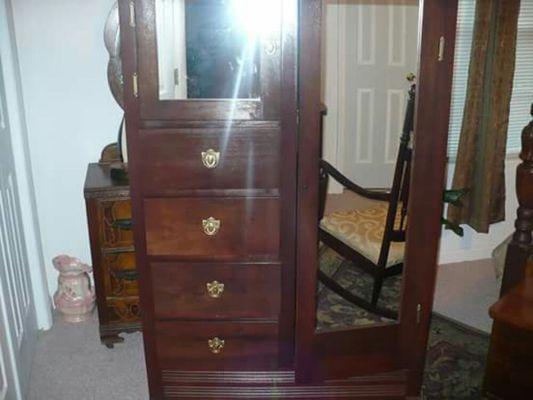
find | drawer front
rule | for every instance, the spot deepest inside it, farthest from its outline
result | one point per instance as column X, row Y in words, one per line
column 209, row 159
column 213, row 228
column 120, row 275
column 115, row 228
column 207, row 346
column 211, row 291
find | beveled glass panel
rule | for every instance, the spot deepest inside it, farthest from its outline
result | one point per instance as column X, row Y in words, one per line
column 211, row 49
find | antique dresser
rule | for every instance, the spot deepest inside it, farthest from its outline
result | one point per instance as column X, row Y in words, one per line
column 223, row 104
column 113, row 256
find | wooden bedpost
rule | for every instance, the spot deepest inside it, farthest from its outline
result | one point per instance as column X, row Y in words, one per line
column 520, row 247
column 508, row 371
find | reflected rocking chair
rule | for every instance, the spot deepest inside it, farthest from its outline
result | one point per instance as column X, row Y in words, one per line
column 374, row 238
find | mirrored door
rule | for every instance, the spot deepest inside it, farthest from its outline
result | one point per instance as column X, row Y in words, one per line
column 362, row 227
column 361, row 284
column 369, row 60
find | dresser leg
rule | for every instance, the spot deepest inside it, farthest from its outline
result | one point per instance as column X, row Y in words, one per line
column 110, row 340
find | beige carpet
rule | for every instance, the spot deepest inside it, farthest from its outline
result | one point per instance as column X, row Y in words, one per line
column 465, row 291
column 71, row 364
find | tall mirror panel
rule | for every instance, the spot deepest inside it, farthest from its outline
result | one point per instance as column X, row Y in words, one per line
column 369, row 61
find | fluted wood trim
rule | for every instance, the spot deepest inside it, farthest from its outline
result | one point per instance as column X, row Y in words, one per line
column 291, row 392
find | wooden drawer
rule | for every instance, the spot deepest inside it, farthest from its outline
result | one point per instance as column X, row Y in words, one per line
column 249, row 291
column 249, row 228
column 115, row 228
column 172, row 159
column 247, row 346
column 120, row 274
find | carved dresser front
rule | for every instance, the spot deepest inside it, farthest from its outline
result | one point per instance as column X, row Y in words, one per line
column 113, row 254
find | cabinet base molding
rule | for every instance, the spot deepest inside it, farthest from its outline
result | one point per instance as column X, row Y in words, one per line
column 289, row 392
column 278, row 385
column 110, row 334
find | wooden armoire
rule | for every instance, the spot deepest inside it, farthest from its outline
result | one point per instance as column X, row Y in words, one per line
column 223, row 167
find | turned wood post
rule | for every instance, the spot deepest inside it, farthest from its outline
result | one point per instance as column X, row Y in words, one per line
column 520, row 247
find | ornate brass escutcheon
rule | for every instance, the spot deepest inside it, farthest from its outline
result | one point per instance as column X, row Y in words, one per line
column 210, row 158
column 211, row 226
column 215, row 289
column 216, row 345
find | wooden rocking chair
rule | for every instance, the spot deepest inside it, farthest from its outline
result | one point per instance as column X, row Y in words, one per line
column 373, row 239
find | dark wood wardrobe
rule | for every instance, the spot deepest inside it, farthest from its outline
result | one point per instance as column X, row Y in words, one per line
column 224, row 185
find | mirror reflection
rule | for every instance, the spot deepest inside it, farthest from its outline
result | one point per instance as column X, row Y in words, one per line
column 369, row 58
column 209, row 49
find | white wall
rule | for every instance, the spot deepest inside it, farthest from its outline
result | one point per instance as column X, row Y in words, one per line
column 476, row 246
column 70, row 112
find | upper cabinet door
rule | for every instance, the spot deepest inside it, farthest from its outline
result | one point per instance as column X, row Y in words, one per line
column 208, row 59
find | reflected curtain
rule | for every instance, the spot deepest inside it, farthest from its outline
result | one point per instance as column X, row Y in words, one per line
column 480, row 165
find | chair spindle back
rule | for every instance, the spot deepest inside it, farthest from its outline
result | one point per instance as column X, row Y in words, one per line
column 395, row 232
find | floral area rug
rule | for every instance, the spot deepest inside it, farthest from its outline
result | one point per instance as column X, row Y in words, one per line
column 456, row 353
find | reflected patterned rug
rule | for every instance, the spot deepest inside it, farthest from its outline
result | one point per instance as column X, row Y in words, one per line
column 456, row 353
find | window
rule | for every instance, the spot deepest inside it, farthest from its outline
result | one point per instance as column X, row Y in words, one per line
column 523, row 81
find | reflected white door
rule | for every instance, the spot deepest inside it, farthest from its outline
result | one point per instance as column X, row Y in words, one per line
column 376, row 45
column 18, row 327
column 7, row 376
column 171, row 48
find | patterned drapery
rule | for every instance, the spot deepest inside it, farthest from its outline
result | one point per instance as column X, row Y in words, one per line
column 480, row 162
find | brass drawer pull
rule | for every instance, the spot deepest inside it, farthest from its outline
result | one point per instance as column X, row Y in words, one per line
column 210, row 158
column 124, row 224
column 216, row 345
column 215, row 289
column 126, row 275
column 211, row 226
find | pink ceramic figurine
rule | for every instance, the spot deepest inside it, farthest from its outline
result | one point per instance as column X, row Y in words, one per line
column 74, row 297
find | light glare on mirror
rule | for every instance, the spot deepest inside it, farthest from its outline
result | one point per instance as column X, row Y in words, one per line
column 255, row 17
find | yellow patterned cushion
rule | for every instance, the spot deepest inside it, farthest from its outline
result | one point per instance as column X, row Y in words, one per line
column 363, row 231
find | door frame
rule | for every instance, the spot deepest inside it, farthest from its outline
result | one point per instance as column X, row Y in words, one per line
column 22, row 160
column 18, row 347
column 408, row 337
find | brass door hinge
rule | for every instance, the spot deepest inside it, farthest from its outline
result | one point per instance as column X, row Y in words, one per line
column 135, row 80
column 442, row 46
column 418, row 313
column 132, row 14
